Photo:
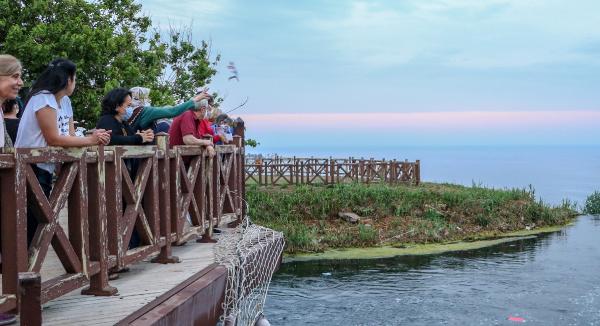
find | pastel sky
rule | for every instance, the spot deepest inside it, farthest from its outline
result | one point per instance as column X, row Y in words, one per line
column 438, row 72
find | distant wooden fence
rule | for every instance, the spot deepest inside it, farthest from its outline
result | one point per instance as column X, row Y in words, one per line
column 177, row 195
column 297, row 171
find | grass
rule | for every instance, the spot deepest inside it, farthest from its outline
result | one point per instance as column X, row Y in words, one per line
column 396, row 215
column 592, row 204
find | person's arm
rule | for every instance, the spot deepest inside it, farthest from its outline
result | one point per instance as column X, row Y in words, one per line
column 191, row 140
column 151, row 113
column 46, row 118
column 117, row 138
column 125, row 140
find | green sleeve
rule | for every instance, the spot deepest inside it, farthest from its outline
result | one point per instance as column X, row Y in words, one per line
column 153, row 113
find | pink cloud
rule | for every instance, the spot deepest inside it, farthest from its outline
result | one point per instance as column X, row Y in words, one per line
column 472, row 120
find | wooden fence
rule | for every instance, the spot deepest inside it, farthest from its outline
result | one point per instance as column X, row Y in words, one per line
column 176, row 195
column 296, row 171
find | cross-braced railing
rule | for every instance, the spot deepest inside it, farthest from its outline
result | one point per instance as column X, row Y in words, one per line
column 290, row 171
column 108, row 208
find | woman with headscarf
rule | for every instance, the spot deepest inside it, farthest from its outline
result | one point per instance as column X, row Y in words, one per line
column 141, row 115
column 114, row 106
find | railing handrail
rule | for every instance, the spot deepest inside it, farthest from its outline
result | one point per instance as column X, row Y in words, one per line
column 296, row 170
column 93, row 180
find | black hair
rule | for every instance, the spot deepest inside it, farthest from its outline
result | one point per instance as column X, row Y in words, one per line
column 8, row 106
column 221, row 117
column 55, row 78
column 113, row 99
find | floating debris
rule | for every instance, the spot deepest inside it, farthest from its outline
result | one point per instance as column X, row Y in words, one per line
column 516, row 319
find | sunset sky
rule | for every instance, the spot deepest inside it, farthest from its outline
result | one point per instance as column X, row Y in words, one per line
column 439, row 72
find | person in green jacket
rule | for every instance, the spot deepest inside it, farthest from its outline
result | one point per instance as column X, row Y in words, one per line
column 141, row 115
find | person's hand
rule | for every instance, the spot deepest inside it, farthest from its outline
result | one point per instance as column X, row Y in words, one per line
column 211, row 151
column 147, row 135
column 207, row 142
column 202, row 95
column 100, row 137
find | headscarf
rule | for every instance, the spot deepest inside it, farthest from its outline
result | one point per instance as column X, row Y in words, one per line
column 140, row 96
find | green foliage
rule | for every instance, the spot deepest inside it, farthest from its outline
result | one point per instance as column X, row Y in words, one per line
column 428, row 213
column 251, row 142
column 592, row 204
column 111, row 42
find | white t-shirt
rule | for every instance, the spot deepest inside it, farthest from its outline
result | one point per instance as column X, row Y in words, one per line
column 30, row 135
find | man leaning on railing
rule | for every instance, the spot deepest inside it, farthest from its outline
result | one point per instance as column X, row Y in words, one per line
column 185, row 128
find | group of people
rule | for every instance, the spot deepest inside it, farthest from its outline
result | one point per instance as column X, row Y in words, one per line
column 44, row 117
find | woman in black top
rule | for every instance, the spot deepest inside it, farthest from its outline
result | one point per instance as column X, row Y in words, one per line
column 10, row 108
column 114, row 118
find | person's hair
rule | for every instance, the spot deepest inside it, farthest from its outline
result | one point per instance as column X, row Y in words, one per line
column 203, row 104
column 8, row 106
column 55, row 78
column 9, row 65
column 113, row 99
column 222, row 117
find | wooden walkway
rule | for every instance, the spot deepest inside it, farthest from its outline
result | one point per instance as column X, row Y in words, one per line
column 143, row 283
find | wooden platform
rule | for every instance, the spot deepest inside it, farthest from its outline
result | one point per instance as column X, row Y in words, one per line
column 143, row 283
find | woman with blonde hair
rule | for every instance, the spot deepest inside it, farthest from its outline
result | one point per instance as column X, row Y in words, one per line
column 10, row 84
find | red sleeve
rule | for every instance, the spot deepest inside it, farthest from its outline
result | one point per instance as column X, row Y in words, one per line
column 205, row 129
column 188, row 126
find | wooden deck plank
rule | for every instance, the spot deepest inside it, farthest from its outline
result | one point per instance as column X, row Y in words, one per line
column 143, row 283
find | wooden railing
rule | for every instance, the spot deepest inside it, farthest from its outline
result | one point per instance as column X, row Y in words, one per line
column 175, row 195
column 296, row 171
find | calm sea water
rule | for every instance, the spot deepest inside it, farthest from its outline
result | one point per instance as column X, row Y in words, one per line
column 550, row 280
column 555, row 172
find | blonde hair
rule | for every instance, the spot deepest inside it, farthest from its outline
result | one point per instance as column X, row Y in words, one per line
column 9, row 65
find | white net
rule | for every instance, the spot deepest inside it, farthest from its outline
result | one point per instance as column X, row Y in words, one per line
column 251, row 254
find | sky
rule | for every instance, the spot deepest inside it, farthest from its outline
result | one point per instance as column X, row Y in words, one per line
column 411, row 72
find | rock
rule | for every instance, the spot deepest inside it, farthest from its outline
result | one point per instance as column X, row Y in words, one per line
column 349, row 217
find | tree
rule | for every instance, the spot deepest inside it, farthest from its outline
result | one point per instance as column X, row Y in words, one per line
column 112, row 43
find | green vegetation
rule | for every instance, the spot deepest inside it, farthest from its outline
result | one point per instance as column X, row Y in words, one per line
column 397, row 215
column 592, row 204
column 113, row 44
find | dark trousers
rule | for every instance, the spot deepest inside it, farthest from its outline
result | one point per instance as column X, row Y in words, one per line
column 33, row 212
column 132, row 165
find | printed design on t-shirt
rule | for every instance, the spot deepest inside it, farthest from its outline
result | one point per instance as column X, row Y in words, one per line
column 63, row 122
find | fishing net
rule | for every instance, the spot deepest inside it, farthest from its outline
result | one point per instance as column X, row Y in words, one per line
column 251, row 254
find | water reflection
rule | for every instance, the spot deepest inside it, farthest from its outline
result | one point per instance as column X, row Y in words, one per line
column 550, row 280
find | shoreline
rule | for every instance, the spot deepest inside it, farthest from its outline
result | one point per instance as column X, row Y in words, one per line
column 481, row 241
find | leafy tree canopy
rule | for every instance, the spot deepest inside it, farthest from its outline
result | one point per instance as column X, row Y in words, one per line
column 113, row 44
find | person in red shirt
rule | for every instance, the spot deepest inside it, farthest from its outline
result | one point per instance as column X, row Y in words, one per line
column 185, row 129
column 205, row 128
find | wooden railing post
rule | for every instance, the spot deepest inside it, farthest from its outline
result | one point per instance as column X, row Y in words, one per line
column 212, row 173
column 31, row 299
column 98, row 235
column 13, row 215
column 164, row 197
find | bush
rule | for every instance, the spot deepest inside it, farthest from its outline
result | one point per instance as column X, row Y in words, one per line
column 592, row 204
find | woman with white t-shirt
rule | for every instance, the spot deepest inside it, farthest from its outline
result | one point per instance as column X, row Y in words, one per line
column 47, row 121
